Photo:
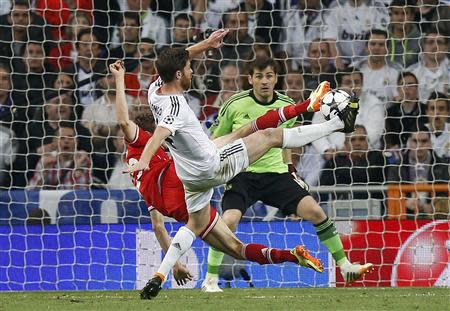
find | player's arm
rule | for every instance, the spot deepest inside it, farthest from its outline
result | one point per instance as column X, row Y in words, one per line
column 153, row 144
column 160, row 230
column 215, row 40
column 129, row 128
column 180, row 272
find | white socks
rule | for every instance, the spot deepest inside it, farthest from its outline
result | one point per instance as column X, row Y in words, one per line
column 303, row 135
column 181, row 242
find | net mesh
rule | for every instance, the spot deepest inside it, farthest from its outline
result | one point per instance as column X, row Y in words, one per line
column 69, row 219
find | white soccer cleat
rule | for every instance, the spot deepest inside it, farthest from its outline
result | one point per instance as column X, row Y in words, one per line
column 211, row 285
column 353, row 272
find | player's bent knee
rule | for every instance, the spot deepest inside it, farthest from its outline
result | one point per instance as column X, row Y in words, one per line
column 308, row 209
column 232, row 218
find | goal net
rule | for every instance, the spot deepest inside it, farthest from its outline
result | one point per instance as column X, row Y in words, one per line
column 69, row 218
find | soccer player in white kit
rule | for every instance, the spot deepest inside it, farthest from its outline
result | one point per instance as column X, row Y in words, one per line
column 202, row 164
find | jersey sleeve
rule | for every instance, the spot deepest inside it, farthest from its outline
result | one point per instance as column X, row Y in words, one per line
column 171, row 116
column 224, row 122
column 154, row 86
column 140, row 139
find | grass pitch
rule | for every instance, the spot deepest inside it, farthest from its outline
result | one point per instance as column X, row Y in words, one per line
column 308, row 299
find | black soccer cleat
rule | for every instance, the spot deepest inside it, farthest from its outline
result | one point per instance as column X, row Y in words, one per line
column 348, row 115
column 152, row 288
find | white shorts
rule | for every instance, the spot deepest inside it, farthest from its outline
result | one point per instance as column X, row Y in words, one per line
column 230, row 160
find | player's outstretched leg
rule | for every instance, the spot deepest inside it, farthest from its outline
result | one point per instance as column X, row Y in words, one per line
column 273, row 118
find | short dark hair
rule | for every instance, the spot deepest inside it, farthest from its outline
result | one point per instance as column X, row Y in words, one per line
column 262, row 63
column 20, row 2
column 185, row 16
column 5, row 66
column 375, row 31
column 346, row 72
column 147, row 40
column 226, row 14
column 130, row 15
column 169, row 61
column 408, row 4
column 24, row 47
column 84, row 32
column 440, row 96
column 404, row 74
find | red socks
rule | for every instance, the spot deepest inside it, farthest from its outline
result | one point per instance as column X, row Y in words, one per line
column 264, row 255
column 273, row 118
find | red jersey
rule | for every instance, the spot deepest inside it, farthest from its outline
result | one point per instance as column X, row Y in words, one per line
column 159, row 186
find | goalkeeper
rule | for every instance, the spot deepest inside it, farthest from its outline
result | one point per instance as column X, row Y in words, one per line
column 268, row 179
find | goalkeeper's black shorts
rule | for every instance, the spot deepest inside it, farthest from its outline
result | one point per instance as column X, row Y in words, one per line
column 283, row 191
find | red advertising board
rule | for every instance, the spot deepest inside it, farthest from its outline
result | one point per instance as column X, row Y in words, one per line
column 404, row 252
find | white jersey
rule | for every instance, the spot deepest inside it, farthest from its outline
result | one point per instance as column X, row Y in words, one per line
column 193, row 152
column 350, row 25
column 381, row 83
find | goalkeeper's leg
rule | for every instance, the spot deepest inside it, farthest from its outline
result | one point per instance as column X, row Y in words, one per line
column 308, row 209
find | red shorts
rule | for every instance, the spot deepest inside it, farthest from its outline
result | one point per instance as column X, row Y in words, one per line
column 173, row 202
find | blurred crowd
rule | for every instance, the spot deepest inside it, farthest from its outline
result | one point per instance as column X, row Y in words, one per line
column 58, row 125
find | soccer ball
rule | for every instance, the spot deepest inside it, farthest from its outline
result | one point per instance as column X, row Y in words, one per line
column 333, row 100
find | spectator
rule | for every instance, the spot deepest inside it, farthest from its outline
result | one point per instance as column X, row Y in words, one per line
column 153, row 26
column 64, row 167
column 238, row 43
column 438, row 113
column 64, row 54
column 128, row 33
column 319, row 67
column 57, row 13
column 294, row 86
column 379, row 77
column 6, row 97
column 433, row 14
column 146, row 48
column 119, row 180
column 404, row 35
column 405, row 115
column 88, row 63
column 18, row 27
column 8, row 145
column 372, row 111
column 419, row 164
column 348, row 25
column 100, row 117
column 264, row 21
column 230, row 84
column 301, row 26
column 183, row 30
column 356, row 165
column 432, row 68
column 214, row 12
column 64, row 81
column 31, row 76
